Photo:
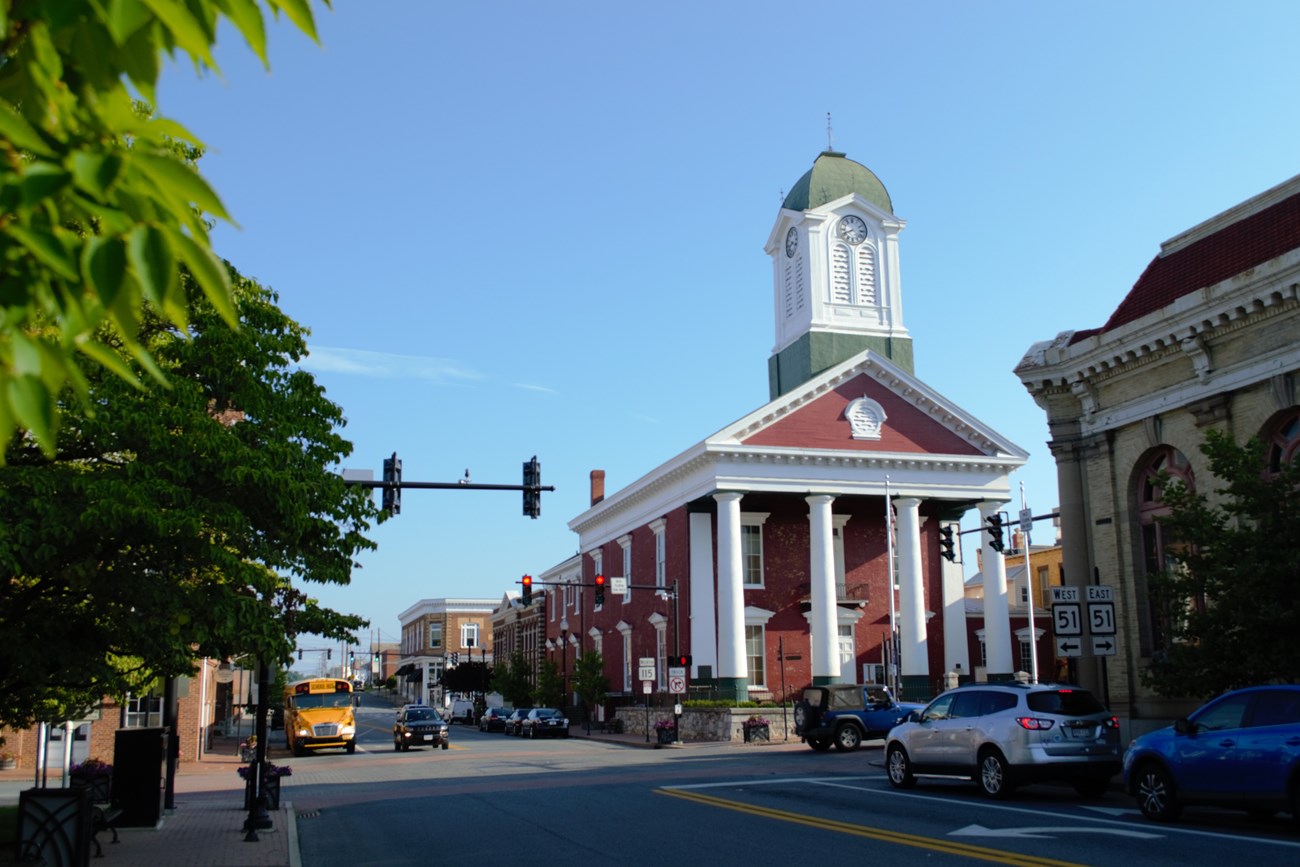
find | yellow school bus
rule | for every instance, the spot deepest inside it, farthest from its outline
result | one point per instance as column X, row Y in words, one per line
column 319, row 713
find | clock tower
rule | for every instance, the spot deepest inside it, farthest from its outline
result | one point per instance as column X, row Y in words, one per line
column 835, row 279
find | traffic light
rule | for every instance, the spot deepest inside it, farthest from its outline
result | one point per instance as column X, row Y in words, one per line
column 681, row 660
column 528, row 589
column 600, row 589
column 392, row 496
column 300, row 653
column 455, row 659
column 947, row 543
column 995, row 532
column 532, row 481
column 352, row 659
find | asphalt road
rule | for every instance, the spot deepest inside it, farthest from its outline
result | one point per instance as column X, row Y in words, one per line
column 500, row 799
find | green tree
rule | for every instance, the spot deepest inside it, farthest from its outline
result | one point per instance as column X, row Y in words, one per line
column 514, row 681
column 1230, row 600
column 550, row 686
column 172, row 525
column 98, row 207
column 590, row 681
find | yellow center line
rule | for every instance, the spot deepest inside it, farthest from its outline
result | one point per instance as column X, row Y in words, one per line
column 945, row 846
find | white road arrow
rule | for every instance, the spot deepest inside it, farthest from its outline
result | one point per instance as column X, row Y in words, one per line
column 1027, row 833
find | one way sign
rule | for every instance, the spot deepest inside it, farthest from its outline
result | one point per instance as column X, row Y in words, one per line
column 1069, row 647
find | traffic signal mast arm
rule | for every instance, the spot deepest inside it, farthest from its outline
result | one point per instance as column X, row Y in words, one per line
column 470, row 486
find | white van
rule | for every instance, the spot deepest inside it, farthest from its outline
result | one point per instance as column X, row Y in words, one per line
column 461, row 711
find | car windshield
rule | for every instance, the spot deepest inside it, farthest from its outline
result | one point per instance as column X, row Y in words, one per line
column 420, row 714
column 1064, row 701
column 542, row 714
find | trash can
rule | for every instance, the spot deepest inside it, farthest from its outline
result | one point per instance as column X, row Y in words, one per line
column 139, row 760
column 54, row 827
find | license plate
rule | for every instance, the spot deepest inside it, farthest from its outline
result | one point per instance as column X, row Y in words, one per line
column 428, row 737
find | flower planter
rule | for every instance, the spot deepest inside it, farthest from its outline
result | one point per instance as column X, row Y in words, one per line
column 270, row 788
column 100, row 785
column 8, row 763
column 757, row 734
column 666, row 736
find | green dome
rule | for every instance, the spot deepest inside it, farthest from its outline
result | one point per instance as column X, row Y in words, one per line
column 834, row 176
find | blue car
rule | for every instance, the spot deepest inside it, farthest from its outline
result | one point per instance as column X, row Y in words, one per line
column 1241, row 751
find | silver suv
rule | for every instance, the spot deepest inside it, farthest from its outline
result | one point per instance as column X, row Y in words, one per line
column 1004, row 734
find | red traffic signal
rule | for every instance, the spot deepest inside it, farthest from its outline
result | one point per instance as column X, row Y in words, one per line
column 528, row 589
column 681, row 660
column 600, row 589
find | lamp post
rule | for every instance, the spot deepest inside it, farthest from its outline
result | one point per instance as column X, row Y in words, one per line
column 564, row 661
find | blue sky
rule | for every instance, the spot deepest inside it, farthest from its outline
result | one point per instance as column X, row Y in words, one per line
column 522, row 229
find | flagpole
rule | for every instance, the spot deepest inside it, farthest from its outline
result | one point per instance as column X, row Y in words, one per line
column 1025, row 526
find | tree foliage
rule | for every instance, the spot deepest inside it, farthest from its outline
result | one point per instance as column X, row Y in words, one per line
column 98, row 208
column 1231, row 598
column 171, row 525
column 590, row 681
column 550, row 686
column 514, row 681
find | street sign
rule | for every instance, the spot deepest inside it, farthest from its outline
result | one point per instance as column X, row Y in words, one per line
column 1026, row 520
column 1101, row 618
column 645, row 687
column 1065, row 594
column 674, row 671
column 1100, row 593
column 647, row 672
column 677, row 684
column 1066, row 618
column 1069, row 647
column 618, row 586
column 1103, row 645
column 646, row 661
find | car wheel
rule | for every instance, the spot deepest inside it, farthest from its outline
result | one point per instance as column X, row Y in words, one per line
column 532, row 732
column 847, row 738
column 397, row 745
column 352, row 747
column 993, row 777
column 1155, row 794
column 299, row 750
column 446, row 745
column 821, row 745
column 899, row 768
column 1092, row 787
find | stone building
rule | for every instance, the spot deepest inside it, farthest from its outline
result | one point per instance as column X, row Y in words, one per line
column 762, row 551
column 1207, row 338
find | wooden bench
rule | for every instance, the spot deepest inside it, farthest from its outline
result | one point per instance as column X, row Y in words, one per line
column 609, row 726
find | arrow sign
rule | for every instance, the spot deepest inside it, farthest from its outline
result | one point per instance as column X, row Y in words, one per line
column 1049, row 831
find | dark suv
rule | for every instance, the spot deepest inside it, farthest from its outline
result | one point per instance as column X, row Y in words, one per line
column 418, row 725
column 846, row 714
column 1003, row 734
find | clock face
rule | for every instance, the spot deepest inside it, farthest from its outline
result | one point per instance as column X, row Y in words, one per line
column 853, row 230
column 792, row 242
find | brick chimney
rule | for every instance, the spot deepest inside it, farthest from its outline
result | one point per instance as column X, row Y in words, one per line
column 597, row 486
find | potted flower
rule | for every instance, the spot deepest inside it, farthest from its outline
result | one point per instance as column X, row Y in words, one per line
column 94, row 774
column 757, row 728
column 666, row 731
column 271, row 776
column 248, row 749
column 8, row 761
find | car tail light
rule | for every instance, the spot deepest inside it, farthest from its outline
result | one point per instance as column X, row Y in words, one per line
column 1111, row 722
column 1033, row 723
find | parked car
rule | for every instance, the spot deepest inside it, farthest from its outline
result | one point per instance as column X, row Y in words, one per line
column 420, row 725
column 542, row 722
column 1004, row 734
column 514, row 722
column 847, row 714
column 1241, row 750
column 493, row 719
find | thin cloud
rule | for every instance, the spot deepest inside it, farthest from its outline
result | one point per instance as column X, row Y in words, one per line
column 387, row 365
column 541, row 389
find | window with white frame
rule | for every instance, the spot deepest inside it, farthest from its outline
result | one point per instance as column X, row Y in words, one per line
column 626, row 543
column 1026, row 655
column 1024, row 592
column 756, row 656
column 142, row 711
column 751, row 548
column 627, row 662
column 435, row 635
column 848, row 654
column 661, row 657
column 837, row 539
column 661, row 552
column 469, row 635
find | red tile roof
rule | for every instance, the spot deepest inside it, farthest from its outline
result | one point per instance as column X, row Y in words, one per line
column 1233, row 249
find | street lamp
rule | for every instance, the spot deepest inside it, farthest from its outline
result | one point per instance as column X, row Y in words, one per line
column 564, row 660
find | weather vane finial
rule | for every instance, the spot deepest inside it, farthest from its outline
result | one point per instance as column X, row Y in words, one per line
column 830, row 136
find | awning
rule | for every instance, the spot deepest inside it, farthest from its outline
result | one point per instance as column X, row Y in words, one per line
column 405, row 669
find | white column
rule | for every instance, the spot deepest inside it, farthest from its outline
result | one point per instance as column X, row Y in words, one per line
column 956, row 647
column 825, row 625
column 912, row 652
column 704, row 633
column 731, row 595
column 997, row 613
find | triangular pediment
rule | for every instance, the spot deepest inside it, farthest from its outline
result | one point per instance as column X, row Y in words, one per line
column 867, row 404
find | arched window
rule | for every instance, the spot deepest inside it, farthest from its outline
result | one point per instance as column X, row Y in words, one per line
column 1165, row 465
column 1284, row 443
